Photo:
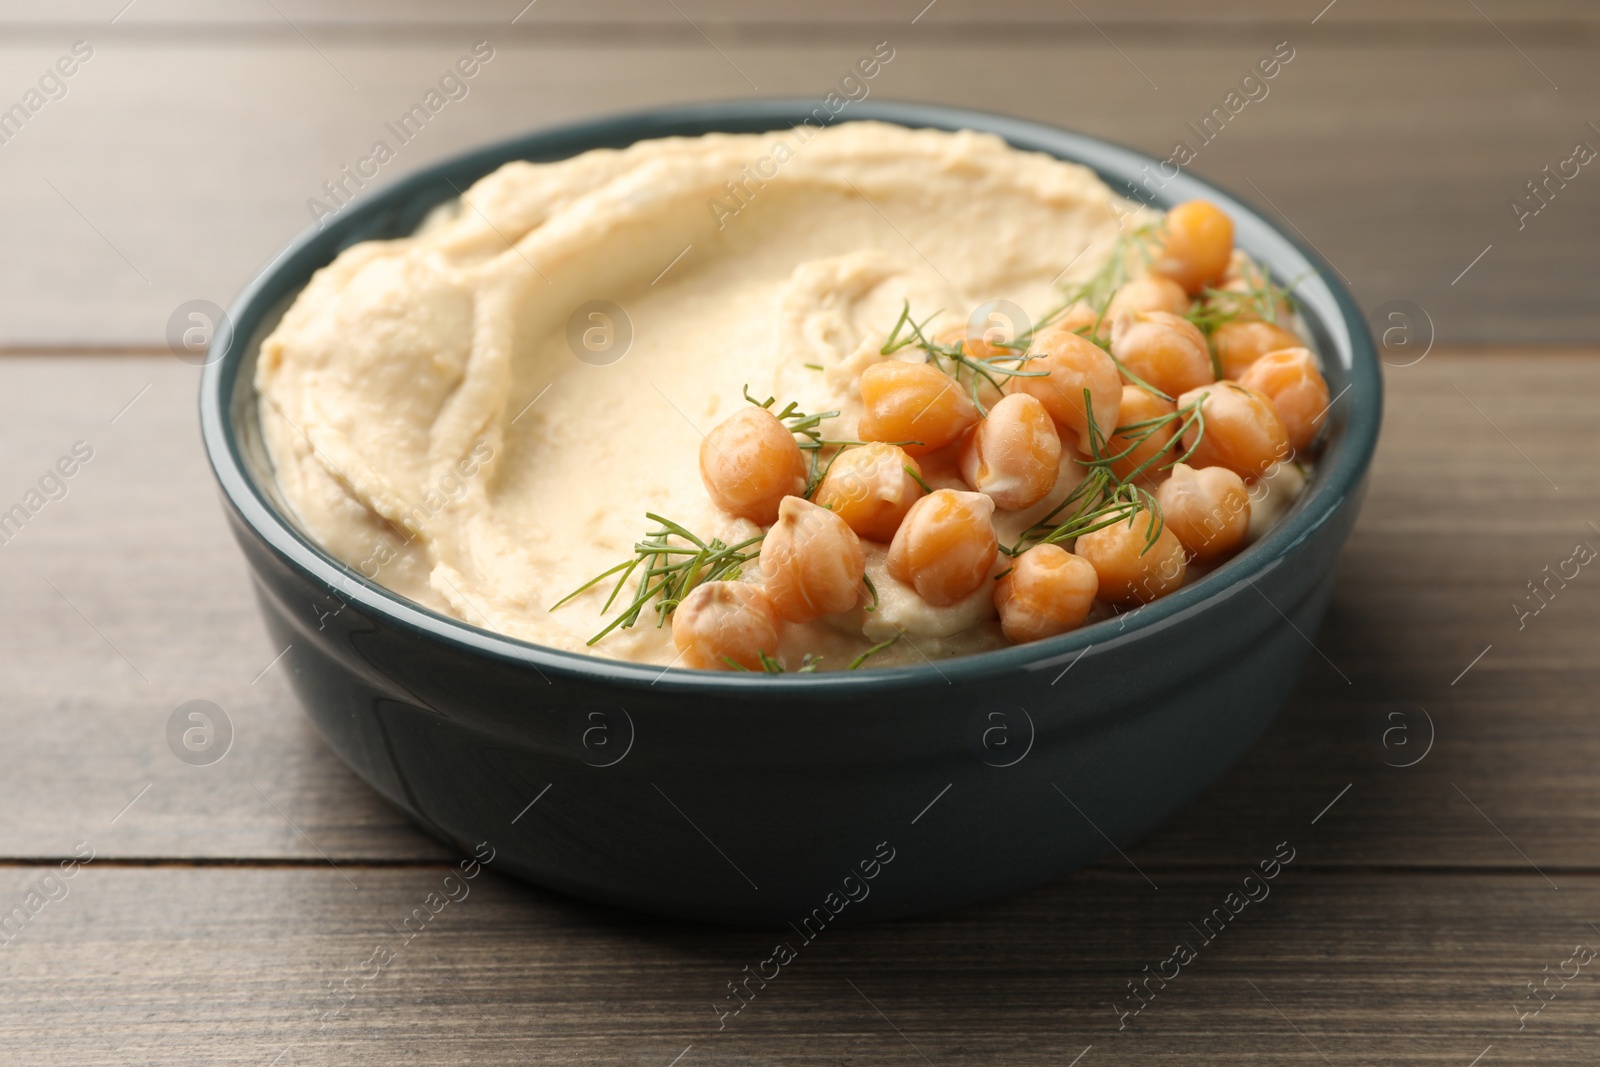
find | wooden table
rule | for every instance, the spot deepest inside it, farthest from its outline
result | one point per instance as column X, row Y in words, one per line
column 1434, row 773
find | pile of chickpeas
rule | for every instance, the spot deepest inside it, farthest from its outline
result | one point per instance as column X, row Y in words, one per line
column 1121, row 384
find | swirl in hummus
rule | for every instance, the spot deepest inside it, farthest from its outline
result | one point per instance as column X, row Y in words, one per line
column 451, row 416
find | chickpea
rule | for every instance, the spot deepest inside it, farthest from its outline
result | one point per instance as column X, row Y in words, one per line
column 811, row 562
column 1164, row 349
column 1208, row 510
column 1198, row 246
column 725, row 619
column 1137, row 406
column 1240, row 344
column 945, row 546
column 750, row 462
column 1128, row 571
column 1242, row 431
column 976, row 348
column 1077, row 319
column 1249, row 281
column 1073, row 364
column 1150, row 293
column 1298, row 392
column 869, row 489
column 1048, row 592
column 913, row 402
column 1243, row 272
column 1014, row 455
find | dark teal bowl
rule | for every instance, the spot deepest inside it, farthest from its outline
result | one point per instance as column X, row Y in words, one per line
column 803, row 799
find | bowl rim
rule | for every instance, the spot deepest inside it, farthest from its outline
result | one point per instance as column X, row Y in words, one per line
column 1330, row 489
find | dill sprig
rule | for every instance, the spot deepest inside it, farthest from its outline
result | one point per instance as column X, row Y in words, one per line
column 808, row 664
column 926, row 488
column 1261, row 299
column 1127, row 372
column 855, row 664
column 672, row 570
column 1137, row 433
column 809, row 427
column 1100, row 287
column 1103, row 499
column 913, row 335
column 953, row 358
column 1096, row 291
column 872, row 589
column 798, row 422
column 1098, row 501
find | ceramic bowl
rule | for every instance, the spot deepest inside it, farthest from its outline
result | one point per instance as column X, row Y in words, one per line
column 801, row 799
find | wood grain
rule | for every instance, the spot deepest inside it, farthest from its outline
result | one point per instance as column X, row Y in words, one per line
column 128, row 597
column 125, row 599
column 239, row 967
column 1434, row 770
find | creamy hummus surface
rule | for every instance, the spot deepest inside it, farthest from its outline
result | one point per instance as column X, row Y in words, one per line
column 479, row 416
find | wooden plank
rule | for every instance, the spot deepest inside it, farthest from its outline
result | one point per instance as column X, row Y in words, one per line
column 135, row 562
column 125, row 599
column 1398, row 161
column 184, row 966
column 1458, row 520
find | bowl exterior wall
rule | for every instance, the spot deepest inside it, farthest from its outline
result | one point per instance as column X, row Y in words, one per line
column 736, row 812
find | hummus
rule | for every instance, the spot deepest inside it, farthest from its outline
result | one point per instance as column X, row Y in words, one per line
column 479, row 416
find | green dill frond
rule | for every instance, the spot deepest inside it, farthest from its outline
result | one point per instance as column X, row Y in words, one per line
column 1103, row 499
column 1260, row 299
column 855, row 664
column 954, row 360
column 673, row 562
column 809, row 427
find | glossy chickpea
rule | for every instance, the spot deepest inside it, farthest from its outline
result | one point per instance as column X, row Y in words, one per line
column 1071, row 364
column 1197, row 247
column 1048, row 592
column 1130, row 570
column 1014, row 455
column 915, row 403
column 749, row 462
column 870, row 489
column 1290, row 380
column 945, row 547
column 721, row 621
column 811, row 562
column 1138, row 406
column 1207, row 510
column 1242, row 432
column 1150, row 293
column 1239, row 344
column 1166, row 350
